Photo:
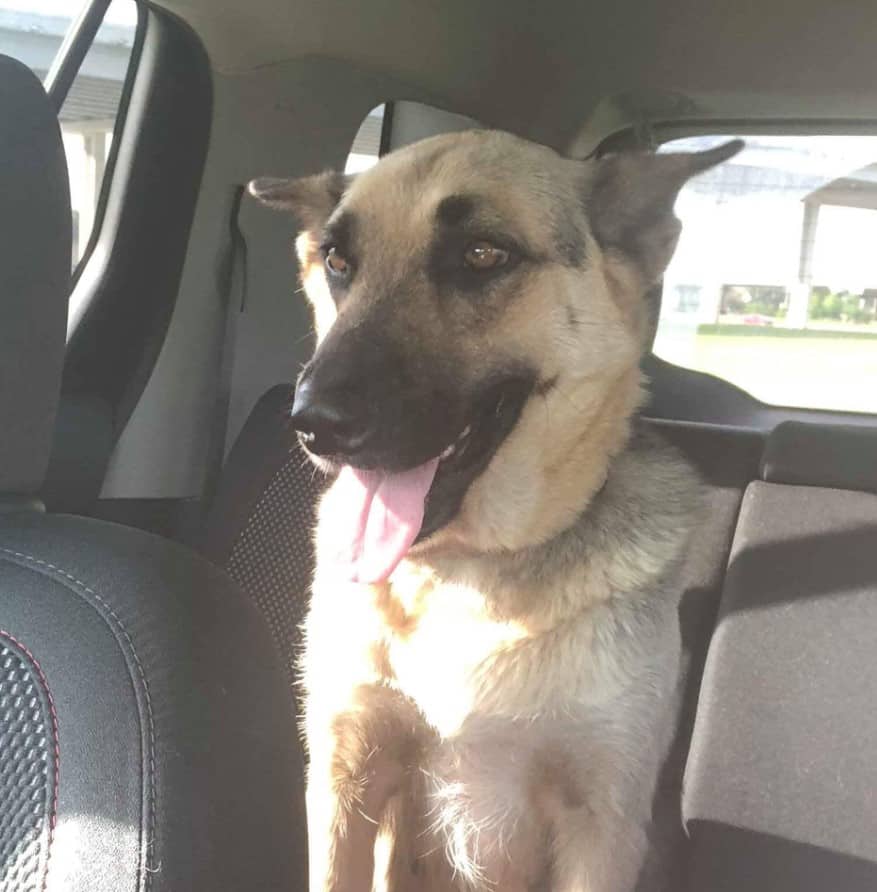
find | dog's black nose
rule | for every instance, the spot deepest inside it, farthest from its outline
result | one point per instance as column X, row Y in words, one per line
column 328, row 425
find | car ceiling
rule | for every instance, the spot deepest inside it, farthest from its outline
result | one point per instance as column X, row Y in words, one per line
column 551, row 70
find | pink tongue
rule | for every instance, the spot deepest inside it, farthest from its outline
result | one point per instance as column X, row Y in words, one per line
column 385, row 515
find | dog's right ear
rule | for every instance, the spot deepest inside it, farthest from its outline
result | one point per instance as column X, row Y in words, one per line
column 630, row 199
column 310, row 199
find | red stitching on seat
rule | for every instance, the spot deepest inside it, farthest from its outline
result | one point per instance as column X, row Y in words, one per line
column 145, row 868
column 56, row 747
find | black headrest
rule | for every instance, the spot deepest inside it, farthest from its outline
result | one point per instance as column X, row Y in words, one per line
column 35, row 258
column 835, row 456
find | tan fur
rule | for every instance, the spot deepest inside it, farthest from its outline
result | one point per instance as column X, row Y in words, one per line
column 314, row 283
column 493, row 716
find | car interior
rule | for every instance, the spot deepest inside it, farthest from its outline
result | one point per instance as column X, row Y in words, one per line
column 156, row 513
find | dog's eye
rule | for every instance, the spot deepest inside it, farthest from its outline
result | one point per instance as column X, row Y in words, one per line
column 336, row 264
column 485, row 256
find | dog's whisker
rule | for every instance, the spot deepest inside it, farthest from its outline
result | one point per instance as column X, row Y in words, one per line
column 368, row 818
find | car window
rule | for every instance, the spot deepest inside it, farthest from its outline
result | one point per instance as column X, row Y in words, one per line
column 366, row 148
column 33, row 31
column 773, row 286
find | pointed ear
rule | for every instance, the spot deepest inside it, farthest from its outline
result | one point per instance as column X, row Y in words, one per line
column 311, row 199
column 630, row 198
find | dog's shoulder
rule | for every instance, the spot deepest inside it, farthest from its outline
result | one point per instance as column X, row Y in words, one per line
column 653, row 476
column 635, row 526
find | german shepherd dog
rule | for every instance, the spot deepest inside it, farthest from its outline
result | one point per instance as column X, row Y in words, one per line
column 492, row 646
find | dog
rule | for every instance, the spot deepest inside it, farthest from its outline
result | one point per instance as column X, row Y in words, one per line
column 492, row 647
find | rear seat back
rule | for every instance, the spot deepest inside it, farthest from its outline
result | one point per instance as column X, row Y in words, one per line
column 835, row 456
column 780, row 787
column 260, row 525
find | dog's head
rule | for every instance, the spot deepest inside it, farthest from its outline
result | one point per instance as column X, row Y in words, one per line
column 480, row 310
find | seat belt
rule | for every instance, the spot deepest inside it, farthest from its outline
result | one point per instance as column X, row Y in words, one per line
column 232, row 287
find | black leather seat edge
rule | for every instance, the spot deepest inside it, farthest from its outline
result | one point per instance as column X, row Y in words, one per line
column 146, row 739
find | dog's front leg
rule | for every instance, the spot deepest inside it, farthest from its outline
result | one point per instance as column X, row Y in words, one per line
column 519, row 806
column 359, row 760
column 594, row 852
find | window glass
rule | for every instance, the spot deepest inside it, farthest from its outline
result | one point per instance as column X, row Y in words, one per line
column 411, row 122
column 32, row 31
column 366, row 149
column 773, row 286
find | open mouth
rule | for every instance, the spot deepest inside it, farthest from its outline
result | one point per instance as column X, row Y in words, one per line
column 467, row 456
column 389, row 511
column 459, row 445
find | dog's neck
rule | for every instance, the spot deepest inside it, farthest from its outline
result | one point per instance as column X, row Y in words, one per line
column 623, row 540
column 549, row 468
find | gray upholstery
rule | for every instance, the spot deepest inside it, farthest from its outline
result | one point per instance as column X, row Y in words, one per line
column 839, row 456
column 35, row 257
column 142, row 706
column 781, row 782
column 726, row 460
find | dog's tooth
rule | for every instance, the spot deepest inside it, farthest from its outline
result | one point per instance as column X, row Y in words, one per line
column 448, row 452
column 466, row 431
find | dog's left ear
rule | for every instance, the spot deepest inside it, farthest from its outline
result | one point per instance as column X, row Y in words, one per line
column 630, row 198
column 310, row 199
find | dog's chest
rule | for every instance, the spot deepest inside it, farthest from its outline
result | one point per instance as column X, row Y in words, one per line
column 441, row 647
